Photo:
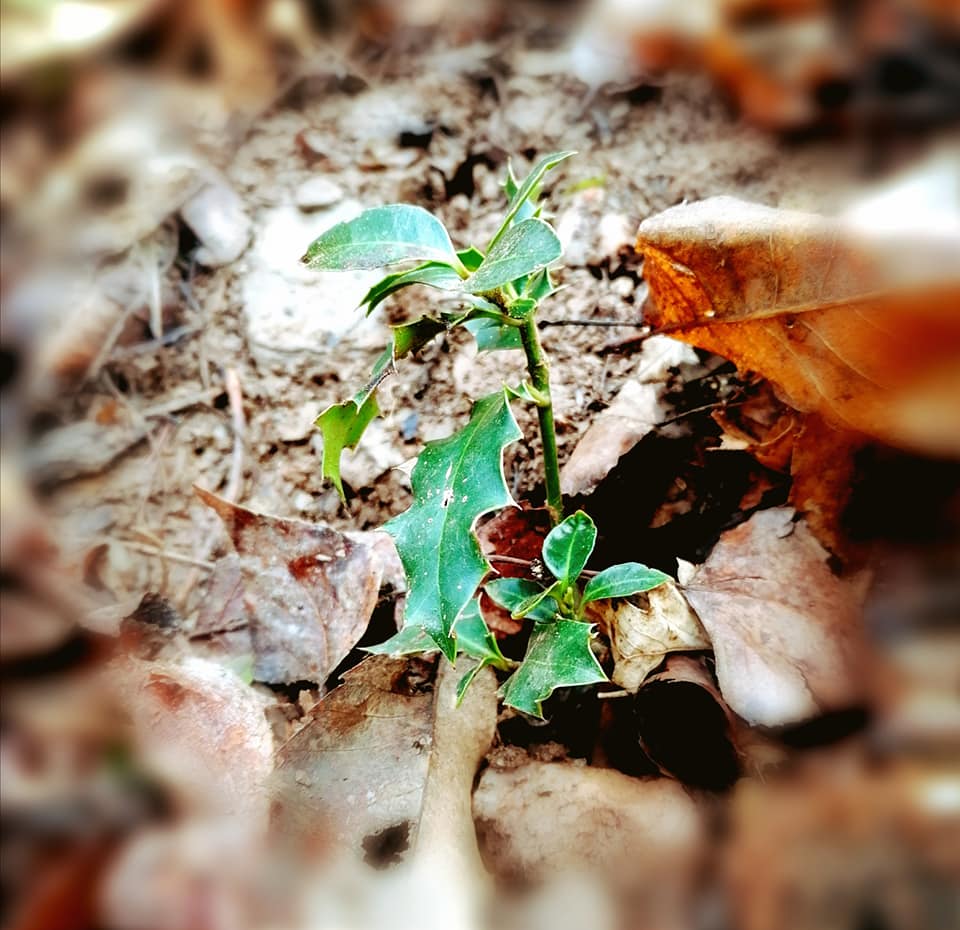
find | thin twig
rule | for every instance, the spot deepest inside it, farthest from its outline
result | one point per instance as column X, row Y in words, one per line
column 235, row 396
column 169, row 338
column 149, row 254
column 166, row 554
column 526, row 563
column 611, row 695
column 232, row 490
column 543, row 324
column 177, row 404
column 509, row 560
column 111, row 340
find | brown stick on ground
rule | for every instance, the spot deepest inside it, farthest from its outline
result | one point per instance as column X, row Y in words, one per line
column 235, row 476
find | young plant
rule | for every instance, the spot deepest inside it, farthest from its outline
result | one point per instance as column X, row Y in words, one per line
column 459, row 479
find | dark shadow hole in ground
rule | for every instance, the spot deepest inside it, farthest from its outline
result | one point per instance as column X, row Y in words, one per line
column 384, row 848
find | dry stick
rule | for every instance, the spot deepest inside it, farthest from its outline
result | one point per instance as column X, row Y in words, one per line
column 166, row 554
column 543, row 324
column 101, row 357
column 526, row 563
column 232, row 490
column 156, row 304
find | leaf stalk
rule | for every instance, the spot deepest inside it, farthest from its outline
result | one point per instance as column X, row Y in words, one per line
column 540, row 379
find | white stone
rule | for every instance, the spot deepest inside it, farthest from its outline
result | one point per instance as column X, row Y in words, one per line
column 317, row 194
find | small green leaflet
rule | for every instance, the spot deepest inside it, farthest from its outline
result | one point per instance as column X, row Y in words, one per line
column 533, row 603
column 471, row 257
column 342, row 425
column 558, row 656
column 526, row 391
column 568, row 546
column 514, row 593
column 622, row 581
column 521, row 308
column 382, row 236
column 472, row 636
column 492, row 334
column 433, row 274
column 530, row 182
column 455, row 481
column 525, row 248
column 474, row 639
column 539, row 286
column 526, row 209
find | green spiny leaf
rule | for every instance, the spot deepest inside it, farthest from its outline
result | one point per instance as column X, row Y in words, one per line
column 539, row 286
column 492, row 334
column 525, row 248
column 622, row 581
column 514, row 593
column 475, row 640
column 526, row 391
column 455, row 481
column 433, row 274
column 471, row 633
column 522, row 194
column 471, row 258
column 342, row 425
column 409, row 640
column 568, row 546
column 411, row 337
column 382, row 236
column 558, row 656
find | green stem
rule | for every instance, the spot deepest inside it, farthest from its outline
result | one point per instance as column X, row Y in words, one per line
column 540, row 379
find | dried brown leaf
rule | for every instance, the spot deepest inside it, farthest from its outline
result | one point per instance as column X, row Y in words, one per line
column 859, row 328
column 386, row 753
column 309, row 591
column 785, row 630
column 541, row 819
column 645, row 629
column 203, row 731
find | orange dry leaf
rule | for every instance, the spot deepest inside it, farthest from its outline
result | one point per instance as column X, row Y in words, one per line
column 860, row 328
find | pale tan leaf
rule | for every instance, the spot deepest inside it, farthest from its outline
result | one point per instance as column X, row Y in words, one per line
column 635, row 411
column 785, row 630
column 203, row 731
column 645, row 629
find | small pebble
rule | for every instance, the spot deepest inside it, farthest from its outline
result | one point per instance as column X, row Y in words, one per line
column 218, row 219
column 317, row 194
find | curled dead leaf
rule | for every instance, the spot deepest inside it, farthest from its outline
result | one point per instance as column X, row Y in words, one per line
column 860, row 328
column 645, row 629
column 785, row 630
